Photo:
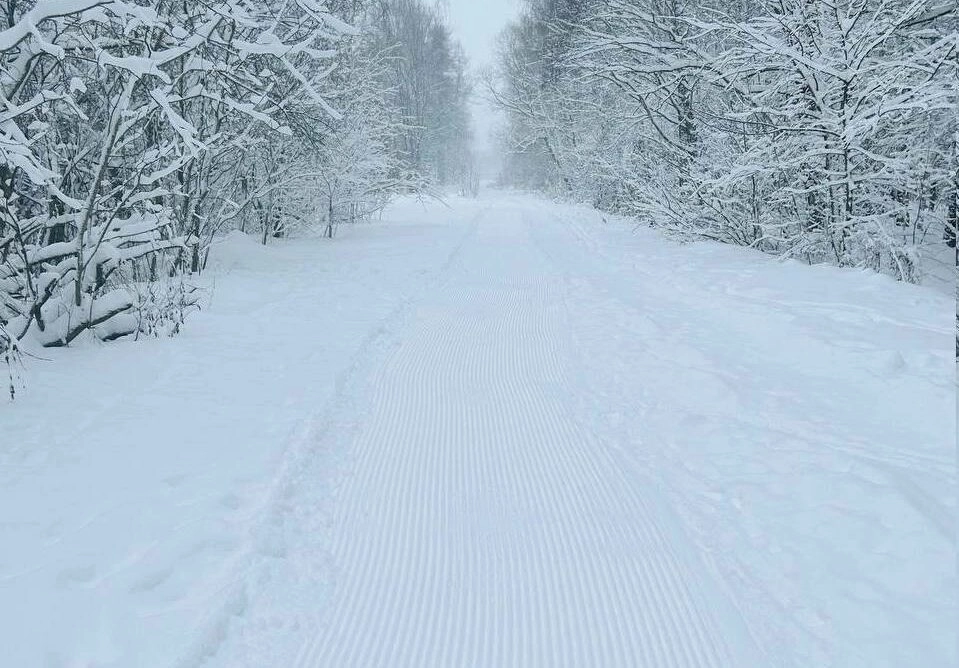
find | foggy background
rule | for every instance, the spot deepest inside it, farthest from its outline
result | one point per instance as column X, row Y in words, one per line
column 476, row 23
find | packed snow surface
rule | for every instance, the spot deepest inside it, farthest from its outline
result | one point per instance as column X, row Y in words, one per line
column 502, row 432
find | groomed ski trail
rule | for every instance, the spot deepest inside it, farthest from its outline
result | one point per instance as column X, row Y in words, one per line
column 482, row 524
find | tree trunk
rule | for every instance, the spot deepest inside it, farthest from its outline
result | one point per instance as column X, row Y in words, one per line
column 329, row 217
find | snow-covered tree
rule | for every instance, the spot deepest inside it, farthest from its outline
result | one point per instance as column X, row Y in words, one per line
column 132, row 133
column 429, row 89
column 122, row 125
column 818, row 129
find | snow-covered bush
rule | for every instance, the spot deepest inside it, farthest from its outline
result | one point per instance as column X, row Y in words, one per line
column 160, row 307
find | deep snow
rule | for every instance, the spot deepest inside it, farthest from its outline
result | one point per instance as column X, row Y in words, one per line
column 501, row 433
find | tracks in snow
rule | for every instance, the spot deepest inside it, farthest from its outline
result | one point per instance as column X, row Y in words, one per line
column 274, row 585
column 482, row 524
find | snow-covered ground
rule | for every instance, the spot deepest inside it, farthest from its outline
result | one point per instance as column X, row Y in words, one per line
column 500, row 433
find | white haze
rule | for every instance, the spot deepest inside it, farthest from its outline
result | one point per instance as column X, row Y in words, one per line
column 476, row 25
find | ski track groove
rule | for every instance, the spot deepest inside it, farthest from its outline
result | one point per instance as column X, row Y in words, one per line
column 481, row 523
column 305, row 448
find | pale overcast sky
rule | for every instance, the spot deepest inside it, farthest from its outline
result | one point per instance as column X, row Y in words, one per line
column 476, row 23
